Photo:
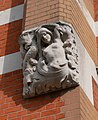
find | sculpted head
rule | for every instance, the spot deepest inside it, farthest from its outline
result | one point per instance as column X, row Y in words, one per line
column 26, row 40
column 45, row 35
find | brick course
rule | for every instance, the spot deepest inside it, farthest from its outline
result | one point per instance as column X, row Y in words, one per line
column 97, row 44
column 95, row 93
column 87, row 111
column 40, row 12
column 90, row 6
column 96, row 9
column 53, row 106
column 9, row 36
column 74, row 15
column 70, row 104
column 6, row 4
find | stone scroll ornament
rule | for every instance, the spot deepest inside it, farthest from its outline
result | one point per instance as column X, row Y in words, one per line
column 50, row 59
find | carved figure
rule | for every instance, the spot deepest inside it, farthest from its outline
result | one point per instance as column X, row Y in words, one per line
column 50, row 59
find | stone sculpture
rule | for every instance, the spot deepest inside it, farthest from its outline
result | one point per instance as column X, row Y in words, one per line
column 50, row 59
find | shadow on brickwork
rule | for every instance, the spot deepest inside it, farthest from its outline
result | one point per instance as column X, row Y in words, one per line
column 11, row 94
column 11, row 84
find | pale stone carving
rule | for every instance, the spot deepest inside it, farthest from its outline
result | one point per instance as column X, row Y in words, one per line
column 50, row 59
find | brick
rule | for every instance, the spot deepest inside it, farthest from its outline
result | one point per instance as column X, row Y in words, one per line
column 67, row 114
column 2, row 112
column 4, row 106
column 60, row 116
column 95, row 10
column 42, row 108
column 21, row 113
column 12, row 115
column 1, row 101
column 60, row 104
column 75, row 112
column 27, row 117
column 35, row 115
column 19, row 118
column 49, row 106
column 15, row 109
column 48, row 118
column 50, row 112
column 4, row 117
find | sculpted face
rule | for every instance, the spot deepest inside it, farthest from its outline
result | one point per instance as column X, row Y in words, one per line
column 46, row 38
column 26, row 41
column 45, row 35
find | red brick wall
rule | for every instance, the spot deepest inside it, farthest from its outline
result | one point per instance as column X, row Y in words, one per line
column 95, row 93
column 97, row 44
column 96, row 9
column 70, row 104
column 95, row 2
column 9, row 35
column 90, row 7
column 87, row 110
column 40, row 12
column 5, row 4
column 53, row 106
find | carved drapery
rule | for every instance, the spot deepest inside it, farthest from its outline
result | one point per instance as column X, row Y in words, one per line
column 50, row 59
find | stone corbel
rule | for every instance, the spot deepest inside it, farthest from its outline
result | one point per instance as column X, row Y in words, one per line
column 50, row 59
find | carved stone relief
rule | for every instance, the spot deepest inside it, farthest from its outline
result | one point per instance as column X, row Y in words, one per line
column 50, row 59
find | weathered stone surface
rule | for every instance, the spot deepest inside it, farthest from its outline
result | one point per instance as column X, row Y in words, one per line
column 50, row 59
